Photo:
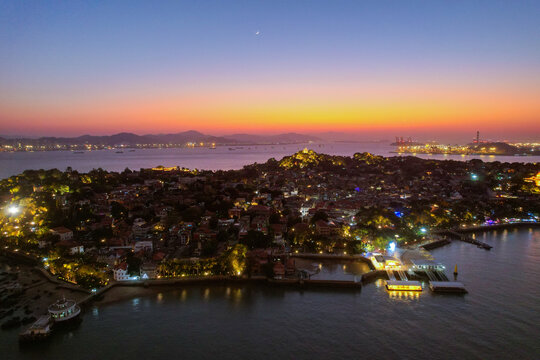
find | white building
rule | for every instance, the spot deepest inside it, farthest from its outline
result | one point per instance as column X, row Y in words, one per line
column 120, row 272
column 73, row 246
column 63, row 232
column 148, row 271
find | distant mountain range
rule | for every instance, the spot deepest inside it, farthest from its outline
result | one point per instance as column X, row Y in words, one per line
column 272, row 139
column 126, row 138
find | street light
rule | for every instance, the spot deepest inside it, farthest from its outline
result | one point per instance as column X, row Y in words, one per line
column 12, row 210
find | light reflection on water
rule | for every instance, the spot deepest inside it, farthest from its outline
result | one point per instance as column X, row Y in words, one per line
column 332, row 270
column 183, row 295
column 404, row 295
column 497, row 319
column 201, row 158
column 135, row 304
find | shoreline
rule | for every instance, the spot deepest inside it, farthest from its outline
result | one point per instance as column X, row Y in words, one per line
column 38, row 282
column 26, row 293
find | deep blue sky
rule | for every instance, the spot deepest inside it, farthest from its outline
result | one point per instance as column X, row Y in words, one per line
column 64, row 63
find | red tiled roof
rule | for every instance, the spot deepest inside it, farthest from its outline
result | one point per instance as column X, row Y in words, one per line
column 67, row 243
column 122, row 266
column 61, row 230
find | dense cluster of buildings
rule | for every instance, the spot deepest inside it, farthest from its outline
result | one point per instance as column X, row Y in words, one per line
column 157, row 222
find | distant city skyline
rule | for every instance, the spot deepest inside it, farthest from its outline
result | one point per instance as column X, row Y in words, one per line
column 384, row 136
column 371, row 69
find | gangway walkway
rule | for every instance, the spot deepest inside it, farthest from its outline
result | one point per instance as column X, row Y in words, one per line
column 431, row 275
column 441, row 275
column 402, row 275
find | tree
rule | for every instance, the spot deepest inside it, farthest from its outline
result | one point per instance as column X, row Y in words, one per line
column 134, row 265
column 256, row 239
column 209, row 247
column 192, row 214
column 274, row 218
column 118, row 211
column 222, row 236
column 234, row 261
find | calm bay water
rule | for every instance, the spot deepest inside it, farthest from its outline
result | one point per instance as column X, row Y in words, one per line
column 201, row 158
column 498, row 319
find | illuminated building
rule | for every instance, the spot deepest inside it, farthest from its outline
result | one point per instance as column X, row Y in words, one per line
column 395, row 285
column 534, row 179
column 64, row 310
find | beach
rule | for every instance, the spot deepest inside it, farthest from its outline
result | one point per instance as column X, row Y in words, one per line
column 26, row 293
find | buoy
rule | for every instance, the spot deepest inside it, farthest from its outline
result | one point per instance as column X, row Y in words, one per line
column 455, row 270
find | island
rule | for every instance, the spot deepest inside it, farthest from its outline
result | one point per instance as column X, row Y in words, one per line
column 82, row 233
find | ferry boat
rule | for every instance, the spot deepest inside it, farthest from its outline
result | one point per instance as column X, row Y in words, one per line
column 64, row 311
column 396, row 285
column 39, row 330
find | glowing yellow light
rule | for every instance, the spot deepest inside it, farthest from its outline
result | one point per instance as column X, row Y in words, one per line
column 12, row 210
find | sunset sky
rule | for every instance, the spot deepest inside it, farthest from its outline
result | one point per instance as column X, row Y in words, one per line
column 413, row 68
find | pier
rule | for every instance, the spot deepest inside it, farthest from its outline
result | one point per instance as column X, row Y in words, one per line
column 39, row 330
column 334, row 257
column 468, row 239
column 439, row 282
column 447, row 287
column 436, row 244
column 461, row 234
column 403, row 284
column 421, row 263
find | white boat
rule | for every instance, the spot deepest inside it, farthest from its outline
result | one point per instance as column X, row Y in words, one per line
column 64, row 310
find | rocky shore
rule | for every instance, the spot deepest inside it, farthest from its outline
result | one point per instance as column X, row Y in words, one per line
column 25, row 294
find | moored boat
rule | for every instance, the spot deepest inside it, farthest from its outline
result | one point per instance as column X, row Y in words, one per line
column 397, row 285
column 64, row 311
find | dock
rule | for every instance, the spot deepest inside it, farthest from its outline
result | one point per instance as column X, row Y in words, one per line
column 439, row 282
column 308, row 283
column 468, row 239
column 421, row 263
column 39, row 330
column 436, row 244
column 447, row 287
column 403, row 284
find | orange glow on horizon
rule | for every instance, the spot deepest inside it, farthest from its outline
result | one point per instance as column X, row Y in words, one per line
column 272, row 110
